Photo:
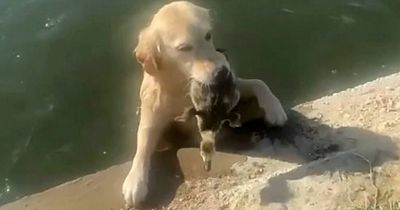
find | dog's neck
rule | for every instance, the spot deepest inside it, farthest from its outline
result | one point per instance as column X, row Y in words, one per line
column 172, row 82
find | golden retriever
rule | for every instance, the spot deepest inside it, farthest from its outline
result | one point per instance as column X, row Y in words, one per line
column 175, row 48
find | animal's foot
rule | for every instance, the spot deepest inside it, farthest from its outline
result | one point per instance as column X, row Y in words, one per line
column 134, row 188
column 274, row 113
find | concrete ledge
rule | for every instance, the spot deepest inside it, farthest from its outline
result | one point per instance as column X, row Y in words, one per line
column 100, row 191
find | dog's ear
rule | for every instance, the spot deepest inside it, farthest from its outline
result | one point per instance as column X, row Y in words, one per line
column 147, row 51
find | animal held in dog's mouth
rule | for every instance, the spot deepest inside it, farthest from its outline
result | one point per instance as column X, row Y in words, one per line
column 212, row 106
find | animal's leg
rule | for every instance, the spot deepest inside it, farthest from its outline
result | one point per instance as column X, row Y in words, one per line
column 274, row 112
column 135, row 186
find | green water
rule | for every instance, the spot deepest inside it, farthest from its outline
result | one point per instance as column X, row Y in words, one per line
column 68, row 81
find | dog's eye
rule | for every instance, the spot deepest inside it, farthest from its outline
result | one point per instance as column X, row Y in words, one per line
column 207, row 37
column 184, row 47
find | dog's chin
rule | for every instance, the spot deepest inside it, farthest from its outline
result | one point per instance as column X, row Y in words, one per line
column 204, row 80
column 216, row 78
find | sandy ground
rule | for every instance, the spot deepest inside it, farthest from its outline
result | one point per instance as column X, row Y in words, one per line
column 337, row 152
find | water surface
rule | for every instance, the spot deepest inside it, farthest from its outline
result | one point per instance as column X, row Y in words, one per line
column 68, row 80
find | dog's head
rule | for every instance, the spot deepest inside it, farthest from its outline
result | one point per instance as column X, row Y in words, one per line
column 178, row 41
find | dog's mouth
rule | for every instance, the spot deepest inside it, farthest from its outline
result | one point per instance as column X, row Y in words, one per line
column 221, row 76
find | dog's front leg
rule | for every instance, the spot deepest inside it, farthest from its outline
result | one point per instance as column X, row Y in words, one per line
column 135, row 186
column 274, row 112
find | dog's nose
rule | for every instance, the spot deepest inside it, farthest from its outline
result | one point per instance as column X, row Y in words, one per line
column 221, row 75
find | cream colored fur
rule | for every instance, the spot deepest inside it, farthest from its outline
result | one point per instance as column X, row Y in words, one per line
column 172, row 50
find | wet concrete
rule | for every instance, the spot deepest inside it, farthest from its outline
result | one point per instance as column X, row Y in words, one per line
column 192, row 165
column 102, row 190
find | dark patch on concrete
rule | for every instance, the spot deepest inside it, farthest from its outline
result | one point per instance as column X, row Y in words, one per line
column 192, row 165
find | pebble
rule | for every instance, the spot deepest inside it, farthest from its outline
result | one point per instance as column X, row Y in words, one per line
column 215, row 185
column 310, row 190
column 397, row 107
column 223, row 206
column 386, row 125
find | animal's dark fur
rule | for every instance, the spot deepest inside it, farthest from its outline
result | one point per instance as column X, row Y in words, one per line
column 209, row 103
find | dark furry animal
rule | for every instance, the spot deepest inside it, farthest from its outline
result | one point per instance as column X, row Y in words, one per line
column 213, row 105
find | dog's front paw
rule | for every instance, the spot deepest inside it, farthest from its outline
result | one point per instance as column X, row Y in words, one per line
column 274, row 113
column 134, row 188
